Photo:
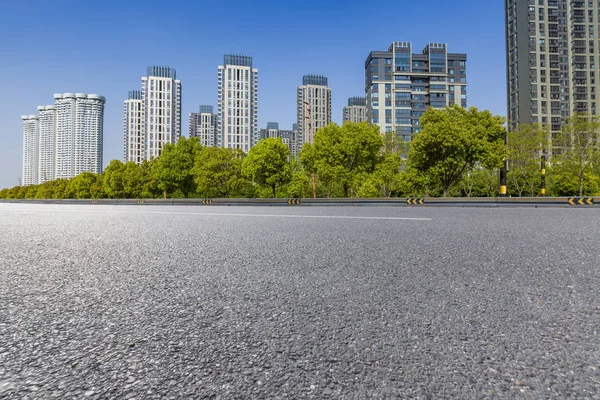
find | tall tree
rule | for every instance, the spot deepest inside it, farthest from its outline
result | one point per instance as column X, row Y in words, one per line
column 84, row 186
column 578, row 147
column 453, row 141
column 341, row 153
column 525, row 146
column 218, row 172
column 112, row 180
column 173, row 169
column 267, row 164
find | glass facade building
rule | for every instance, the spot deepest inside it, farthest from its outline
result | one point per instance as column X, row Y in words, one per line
column 400, row 85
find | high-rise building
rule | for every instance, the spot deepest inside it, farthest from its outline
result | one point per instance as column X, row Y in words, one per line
column 289, row 138
column 356, row 110
column 161, row 110
column 65, row 139
column 47, row 135
column 203, row 125
column 313, row 106
column 134, row 143
column 237, row 115
column 30, row 150
column 401, row 85
column 79, row 134
column 552, row 46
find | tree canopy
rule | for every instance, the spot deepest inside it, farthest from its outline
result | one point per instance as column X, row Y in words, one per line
column 455, row 140
column 268, row 164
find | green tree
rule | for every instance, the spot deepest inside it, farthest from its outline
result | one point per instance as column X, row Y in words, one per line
column 22, row 193
column 60, row 188
column 267, row 164
column 525, row 145
column 453, row 141
column 578, row 147
column 341, row 153
column 218, row 172
column 138, row 181
column 173, row 169
column 112, row 181
column 84, row 186
column 562, row 182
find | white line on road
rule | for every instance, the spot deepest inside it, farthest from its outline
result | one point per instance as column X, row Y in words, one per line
column 222, row 214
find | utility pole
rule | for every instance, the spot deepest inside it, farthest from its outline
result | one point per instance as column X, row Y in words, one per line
column 311, row 141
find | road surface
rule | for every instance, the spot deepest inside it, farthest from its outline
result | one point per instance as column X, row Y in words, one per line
column 292, row 302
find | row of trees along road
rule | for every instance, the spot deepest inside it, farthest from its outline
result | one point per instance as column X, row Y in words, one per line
column 458, row 153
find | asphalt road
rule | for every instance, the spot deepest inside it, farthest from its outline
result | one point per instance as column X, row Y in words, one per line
column 213, row 302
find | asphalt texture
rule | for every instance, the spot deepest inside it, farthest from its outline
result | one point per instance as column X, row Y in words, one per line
column 149, row 302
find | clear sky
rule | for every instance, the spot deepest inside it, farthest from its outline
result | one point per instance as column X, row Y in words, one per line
column 104, row 47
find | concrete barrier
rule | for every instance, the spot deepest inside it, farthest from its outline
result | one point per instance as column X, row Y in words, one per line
column 574, row 202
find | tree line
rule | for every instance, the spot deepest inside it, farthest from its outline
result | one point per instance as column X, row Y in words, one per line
column 457, row 153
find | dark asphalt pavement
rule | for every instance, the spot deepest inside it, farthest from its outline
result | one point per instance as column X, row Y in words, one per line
column 152, row 302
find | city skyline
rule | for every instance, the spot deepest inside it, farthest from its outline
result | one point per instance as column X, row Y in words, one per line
column 110, row 63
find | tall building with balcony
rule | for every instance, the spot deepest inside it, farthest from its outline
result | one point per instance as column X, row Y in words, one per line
column 356, row 110
column 152, row 116
column 65, row 139
column 288, row 137
column 401, row 85
column 29, row 175
column 134, row 139
column 237, row 112
column 47, row 139
column 313, row 106
column 203, row 125
column 161, row 109
column 79, row 134
column 551, row 66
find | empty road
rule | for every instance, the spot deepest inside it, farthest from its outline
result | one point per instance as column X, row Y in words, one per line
column 162, row 302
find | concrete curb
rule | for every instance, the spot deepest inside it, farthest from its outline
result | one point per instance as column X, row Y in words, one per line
column 574, row 202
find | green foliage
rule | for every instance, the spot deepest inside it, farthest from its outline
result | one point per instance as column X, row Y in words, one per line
column 218, row 172
column 173, row 169
column 525, row 146
column 457, row 153
column 454, row 141
column 299, row 185
column 479, row 182
column 562, row 182
column 267, row 164
column 113, row 180
column 577, row 148
column 85, row 186
column 341, row 153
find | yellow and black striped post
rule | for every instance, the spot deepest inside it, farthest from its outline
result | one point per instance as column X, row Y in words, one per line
column 503, row 170
column 543, row 189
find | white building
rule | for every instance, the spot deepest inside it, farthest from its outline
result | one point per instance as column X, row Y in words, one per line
column 203, row 125
column 30, row 149
column 152, row 116
column 237, row 120
column 134, row 143
column 47, row 138
column 356, row 110
column 161, row 110
column 64, row 140
column 313, row 106
column 79, row 134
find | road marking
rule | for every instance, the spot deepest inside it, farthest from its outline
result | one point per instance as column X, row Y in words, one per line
column 221, row 214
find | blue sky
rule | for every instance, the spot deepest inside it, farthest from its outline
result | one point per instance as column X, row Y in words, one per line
column 104, row 47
